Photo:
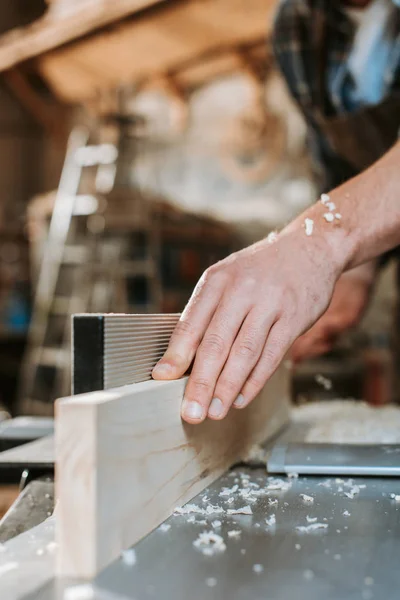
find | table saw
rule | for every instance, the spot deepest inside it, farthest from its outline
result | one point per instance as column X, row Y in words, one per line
column 249, row 535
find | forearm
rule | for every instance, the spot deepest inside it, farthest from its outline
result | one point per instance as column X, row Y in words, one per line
column 369, row 205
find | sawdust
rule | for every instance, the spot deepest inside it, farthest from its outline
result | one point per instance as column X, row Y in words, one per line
column 210, row 543
column 271, row 521
column 329, row 217
column 311, row 528
column 244, row 510
column 309, row 226
column 348, row 422
column 129, row 557
column 235, row 534
column 307, row 499
column 258, row 568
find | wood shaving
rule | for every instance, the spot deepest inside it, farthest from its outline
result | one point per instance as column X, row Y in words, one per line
column 216, row 524
column 355, row 490
column 234, row 533
column 311, row 519
column 338, row 216
column 229, row 491
column 329, row 217
column 307, row 499
column 324, row 382
column 164, row 527
column 258, row 568
column 129, row 557
column 395, row 497
column 272, row 237
column 271, row 521
column 193, row 508
column 211, row 581
column 272, row 502
column 187, row 509
column 245, row 510
column 330, row 206
column 326, row 484
column 325, row 199
column 311, row 528
column 346, row 513
column 278, row 484
column 309, row 225
column 210, row 543
column 297, row 546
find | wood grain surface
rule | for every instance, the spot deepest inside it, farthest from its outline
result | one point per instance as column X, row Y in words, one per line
column 125, row 460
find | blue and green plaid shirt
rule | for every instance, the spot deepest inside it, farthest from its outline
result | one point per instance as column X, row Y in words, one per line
column 294, row 45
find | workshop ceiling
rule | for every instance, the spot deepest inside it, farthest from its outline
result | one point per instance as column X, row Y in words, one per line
column 138, row 41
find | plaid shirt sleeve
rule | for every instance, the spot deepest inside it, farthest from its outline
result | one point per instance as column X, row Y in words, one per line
column 294, row 50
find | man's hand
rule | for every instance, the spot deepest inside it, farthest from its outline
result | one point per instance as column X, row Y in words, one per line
column 244, row 315
column 349, row 301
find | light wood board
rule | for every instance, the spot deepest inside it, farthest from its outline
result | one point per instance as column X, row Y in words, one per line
column 125, row 460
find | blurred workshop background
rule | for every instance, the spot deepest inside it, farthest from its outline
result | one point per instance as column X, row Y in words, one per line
column 140, row 142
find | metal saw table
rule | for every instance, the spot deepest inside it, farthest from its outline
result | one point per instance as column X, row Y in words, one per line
column 355, row 557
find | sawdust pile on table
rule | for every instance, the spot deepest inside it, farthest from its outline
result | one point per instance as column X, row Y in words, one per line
column 348, row 422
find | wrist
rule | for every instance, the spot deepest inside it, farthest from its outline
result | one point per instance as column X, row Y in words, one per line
column 328, row 239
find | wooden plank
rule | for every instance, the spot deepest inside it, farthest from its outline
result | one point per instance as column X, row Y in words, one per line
column 125, row 460
column 48, row 33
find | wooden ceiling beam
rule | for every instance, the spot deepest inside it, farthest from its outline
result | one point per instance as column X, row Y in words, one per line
column 51, row 32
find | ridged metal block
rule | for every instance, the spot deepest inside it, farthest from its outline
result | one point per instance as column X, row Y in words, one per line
column 110, row 350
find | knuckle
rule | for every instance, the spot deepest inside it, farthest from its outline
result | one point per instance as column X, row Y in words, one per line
column 271, row 355
column 254, row 385
column 247, row 348
column 227, row 387
column 200, row 385
column 213, row 344
column 211, row 273
column 183, row 328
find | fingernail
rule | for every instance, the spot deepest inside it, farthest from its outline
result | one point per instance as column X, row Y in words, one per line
column 192, row 410
column 216, row 408
column 163, row 370
column 240, row 401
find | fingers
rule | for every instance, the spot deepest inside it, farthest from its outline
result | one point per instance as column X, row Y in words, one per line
column 211, row 356
column 243, row 357
column 278, row 343
column 191, row 327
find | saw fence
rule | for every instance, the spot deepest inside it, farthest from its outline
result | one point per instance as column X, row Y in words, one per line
column 125, row 459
